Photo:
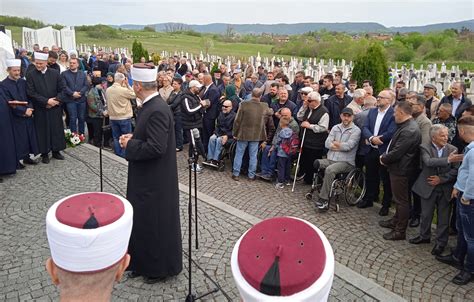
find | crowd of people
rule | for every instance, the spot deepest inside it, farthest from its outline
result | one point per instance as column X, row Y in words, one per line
column 414, row 145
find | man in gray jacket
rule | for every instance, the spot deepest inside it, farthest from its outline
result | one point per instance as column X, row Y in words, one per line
column 342, row 144
column 434, row 185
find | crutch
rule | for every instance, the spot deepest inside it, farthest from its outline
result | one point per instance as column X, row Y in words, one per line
column 298, row 162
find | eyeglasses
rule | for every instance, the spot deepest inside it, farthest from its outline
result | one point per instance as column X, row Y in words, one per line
column 226, row 106
column 382, row 97
column 303, row 93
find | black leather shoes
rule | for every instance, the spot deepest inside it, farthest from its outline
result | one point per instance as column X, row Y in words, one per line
column 20, row 166
column 418, row 240
column 387, row 224
column 58, row 155
column 365, row 204
column 414, row 222
column 45, row 159
column 383, row 211
column 451, row 260
column 437, row 250
column 133, row 275
column 394, row 236
column 463, row 278
column 29, row 161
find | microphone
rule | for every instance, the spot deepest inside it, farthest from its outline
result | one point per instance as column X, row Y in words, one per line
column 197, row 142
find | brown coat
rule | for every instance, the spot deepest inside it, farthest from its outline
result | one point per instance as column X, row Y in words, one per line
column 249, row 124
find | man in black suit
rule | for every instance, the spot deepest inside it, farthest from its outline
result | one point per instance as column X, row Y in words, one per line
column 152, row 186
column 212, row 94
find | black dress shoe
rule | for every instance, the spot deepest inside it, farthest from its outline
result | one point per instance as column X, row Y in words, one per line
column 133, row 275
column 437, row 250
column 394, row 236
column 387, row 224
column 383, row 211
column 45, row 159
column 463, row 278
column 153, row 280
column 414, row 222
column 365, row 204
column 451, row 260
column 58, row 155
column 418, row 240
column 20, row 166
column 29, row 161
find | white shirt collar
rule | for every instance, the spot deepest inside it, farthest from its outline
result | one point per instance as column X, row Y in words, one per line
column 44, row 71
column 149, row 97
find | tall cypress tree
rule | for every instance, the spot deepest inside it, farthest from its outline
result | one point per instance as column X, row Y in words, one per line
column 372, row 65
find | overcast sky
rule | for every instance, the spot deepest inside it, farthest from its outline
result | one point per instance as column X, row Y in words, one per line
column 385, row 12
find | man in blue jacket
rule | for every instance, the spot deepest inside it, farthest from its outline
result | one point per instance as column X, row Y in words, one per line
column 212, row 94
column 74, row 95
column 377, row 133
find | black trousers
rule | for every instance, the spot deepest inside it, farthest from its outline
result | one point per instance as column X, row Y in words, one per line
column 375, row 172
column 308, row 156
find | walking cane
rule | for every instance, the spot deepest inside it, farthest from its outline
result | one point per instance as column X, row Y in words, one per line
column 298, row 162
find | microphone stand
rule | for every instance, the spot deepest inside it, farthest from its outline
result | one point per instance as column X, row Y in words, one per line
column 192, row 165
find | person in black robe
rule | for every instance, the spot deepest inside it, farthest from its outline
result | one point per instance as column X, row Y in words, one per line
column 44, row 88
column 7, row 147
column 24, row 131
column 152, row 189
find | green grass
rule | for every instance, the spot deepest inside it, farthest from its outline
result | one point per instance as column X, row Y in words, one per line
column 155, row 42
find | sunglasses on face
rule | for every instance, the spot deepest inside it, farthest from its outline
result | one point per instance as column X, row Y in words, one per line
column 226, row 106
column 303, row 93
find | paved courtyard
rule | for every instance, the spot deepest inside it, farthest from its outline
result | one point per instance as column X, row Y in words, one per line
column 367, row 269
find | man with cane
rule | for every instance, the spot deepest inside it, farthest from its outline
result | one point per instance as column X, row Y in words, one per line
column 314, row 119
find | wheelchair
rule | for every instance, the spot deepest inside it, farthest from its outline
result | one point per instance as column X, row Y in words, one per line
column 348, row 186
column 227, row 152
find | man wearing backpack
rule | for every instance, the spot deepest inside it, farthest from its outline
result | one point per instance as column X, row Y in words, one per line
column 342, row 144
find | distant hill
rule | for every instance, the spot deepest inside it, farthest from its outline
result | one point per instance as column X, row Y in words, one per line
column 299, row 28
column 434, row 27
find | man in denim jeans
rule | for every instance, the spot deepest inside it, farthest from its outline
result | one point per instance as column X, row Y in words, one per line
column 75, row 92
column 463, row 256
column 249, row 131
column 120, row 112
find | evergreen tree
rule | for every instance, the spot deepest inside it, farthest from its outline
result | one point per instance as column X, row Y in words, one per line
column 138, row 51
column 372, row 65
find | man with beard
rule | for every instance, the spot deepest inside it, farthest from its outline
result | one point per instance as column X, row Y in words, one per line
column 24, row 131
column 44, row 86
column 272, row 96
column 152, row 188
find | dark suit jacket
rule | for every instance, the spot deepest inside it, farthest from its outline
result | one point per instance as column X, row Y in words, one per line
column 434, row 165
column 387, row 128
column 213, row 95
column 465, row 103
column 74, row 82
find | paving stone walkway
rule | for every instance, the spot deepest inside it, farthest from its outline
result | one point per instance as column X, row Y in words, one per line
column 26, row 197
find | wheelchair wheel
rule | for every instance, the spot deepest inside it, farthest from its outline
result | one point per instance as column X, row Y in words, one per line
column 337, row 207
column 354, row 188
column 309, row 196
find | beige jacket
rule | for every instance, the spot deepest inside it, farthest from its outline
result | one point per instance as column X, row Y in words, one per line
column 118, row 99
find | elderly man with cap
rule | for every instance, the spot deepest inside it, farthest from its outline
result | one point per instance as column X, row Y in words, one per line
column 24, row 131
column 44, row 89
column 88, row 236
column 432, row 102
column 342, row 144
column 25, row 61
column 152, row 188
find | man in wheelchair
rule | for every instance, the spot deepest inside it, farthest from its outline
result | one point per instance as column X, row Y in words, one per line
column 342, row 144
column 222, row 135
